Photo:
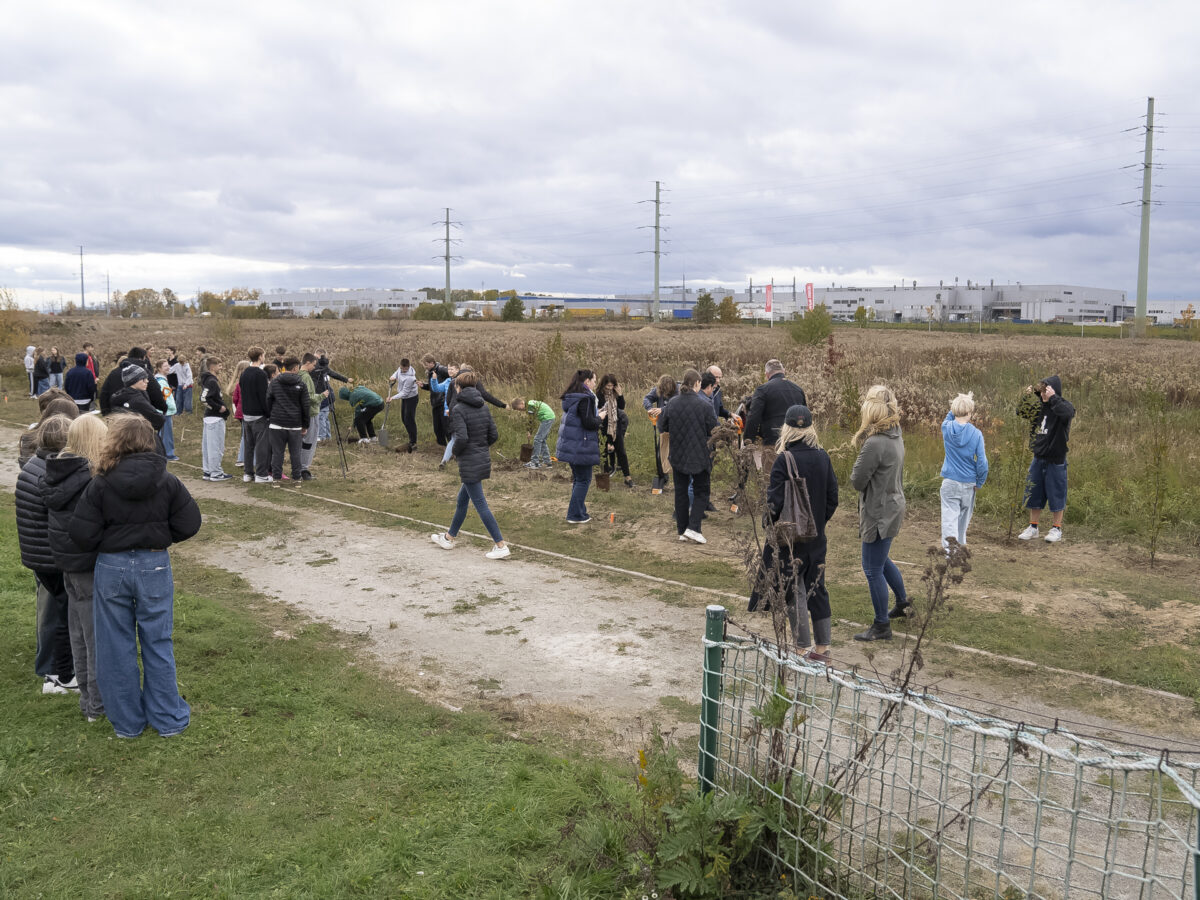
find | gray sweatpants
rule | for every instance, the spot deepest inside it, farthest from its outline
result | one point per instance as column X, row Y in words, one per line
column 82, row 629
column 212, row 445
column 308, row 448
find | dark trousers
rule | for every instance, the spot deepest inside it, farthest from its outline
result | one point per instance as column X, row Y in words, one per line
column 795, row 572
column 439, row 423
column 291, row 439
column 408, row 415
column 257, row 455
column 618, row 449
column 364, row 419
column 690, row 515
column 53, row 654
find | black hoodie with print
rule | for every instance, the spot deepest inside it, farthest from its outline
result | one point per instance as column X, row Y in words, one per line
column 1050, row 423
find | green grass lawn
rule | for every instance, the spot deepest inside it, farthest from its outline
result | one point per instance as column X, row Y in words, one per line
column 303, row 774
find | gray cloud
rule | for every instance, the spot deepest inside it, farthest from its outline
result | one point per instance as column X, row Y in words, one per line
column 300, row 145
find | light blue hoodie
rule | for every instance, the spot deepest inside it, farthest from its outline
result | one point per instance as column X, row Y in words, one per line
column 966, row 460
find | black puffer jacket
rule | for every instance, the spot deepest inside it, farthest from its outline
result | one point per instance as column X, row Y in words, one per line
column 138, row 505
column 474, row 432
column 32, row 522
column 62, row 485
column 287, row 401
column 131, row 400
column 689, row 418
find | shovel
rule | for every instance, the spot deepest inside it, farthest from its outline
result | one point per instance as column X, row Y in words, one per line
column 527, row 448
column 383, row 432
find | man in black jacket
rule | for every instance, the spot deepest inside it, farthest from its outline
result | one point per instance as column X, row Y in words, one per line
column 770, row 404
column 1050, row 428
column 689, row 420
column 253, row 383
column 288, row 418
column 113, row 382
column 321, row 375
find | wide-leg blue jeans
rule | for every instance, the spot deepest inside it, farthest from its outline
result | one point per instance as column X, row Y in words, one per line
column 134, row 601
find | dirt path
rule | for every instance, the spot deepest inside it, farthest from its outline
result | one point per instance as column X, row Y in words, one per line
column 558, row 646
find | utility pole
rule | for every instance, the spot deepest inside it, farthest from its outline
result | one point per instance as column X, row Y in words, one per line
column 1139, row 324
column 657, row 251
column 446, row 256
column 107, row 295
column 657, row 240
column 82, row 301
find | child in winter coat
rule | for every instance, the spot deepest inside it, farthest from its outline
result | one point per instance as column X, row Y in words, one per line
column 67, row 475
column 129, row 514
column 474, row 432
column 212, row 446
column 53, row 661
column 288, row 417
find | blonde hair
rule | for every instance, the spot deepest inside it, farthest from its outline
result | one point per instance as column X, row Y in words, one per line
column 880, row 413
column 127, row 434
column 789, row 434
column 963, row 404
column 242, row 366
column 52, row 433
column 86, row 437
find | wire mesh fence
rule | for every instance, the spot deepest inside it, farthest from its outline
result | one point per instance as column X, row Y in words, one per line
column 877, row 792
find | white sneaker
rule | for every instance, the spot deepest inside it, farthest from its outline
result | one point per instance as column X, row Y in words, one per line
column 498, row 552
column 683, row 537
column 695, row 536
column 442, row 541
column 1028, row 534
column 247, row 478
column 51, row 686
column 263, row 479
column 1054, row 535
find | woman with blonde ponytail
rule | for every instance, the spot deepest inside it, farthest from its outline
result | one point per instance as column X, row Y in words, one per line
column 878, row 476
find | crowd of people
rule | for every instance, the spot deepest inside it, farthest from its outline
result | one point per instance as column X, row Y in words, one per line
column 97, row 508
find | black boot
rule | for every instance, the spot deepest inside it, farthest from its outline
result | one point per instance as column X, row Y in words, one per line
column 900, row 610
column 877, row 632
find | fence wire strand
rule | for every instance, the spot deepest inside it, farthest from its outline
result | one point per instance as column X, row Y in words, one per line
column 875, row 792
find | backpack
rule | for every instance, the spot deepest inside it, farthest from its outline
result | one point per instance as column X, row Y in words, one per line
column 796, row 522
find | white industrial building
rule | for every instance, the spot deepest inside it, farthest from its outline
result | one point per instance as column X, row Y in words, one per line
column 314, row 302
column 942, row 302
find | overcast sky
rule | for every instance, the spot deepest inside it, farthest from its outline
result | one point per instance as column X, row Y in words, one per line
column 291, row 145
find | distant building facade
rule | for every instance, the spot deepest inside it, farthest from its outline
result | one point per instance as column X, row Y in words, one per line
column 948, row 303
column 306, row 303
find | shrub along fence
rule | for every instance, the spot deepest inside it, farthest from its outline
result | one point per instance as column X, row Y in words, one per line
column 875, row 791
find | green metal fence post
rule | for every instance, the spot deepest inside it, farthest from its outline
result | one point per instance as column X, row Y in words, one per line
column 710, row 709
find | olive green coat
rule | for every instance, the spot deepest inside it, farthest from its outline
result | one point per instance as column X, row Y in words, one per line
column 878, row 476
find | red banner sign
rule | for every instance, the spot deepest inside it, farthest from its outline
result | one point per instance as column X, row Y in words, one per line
column 808, row 294
column 770, row 290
